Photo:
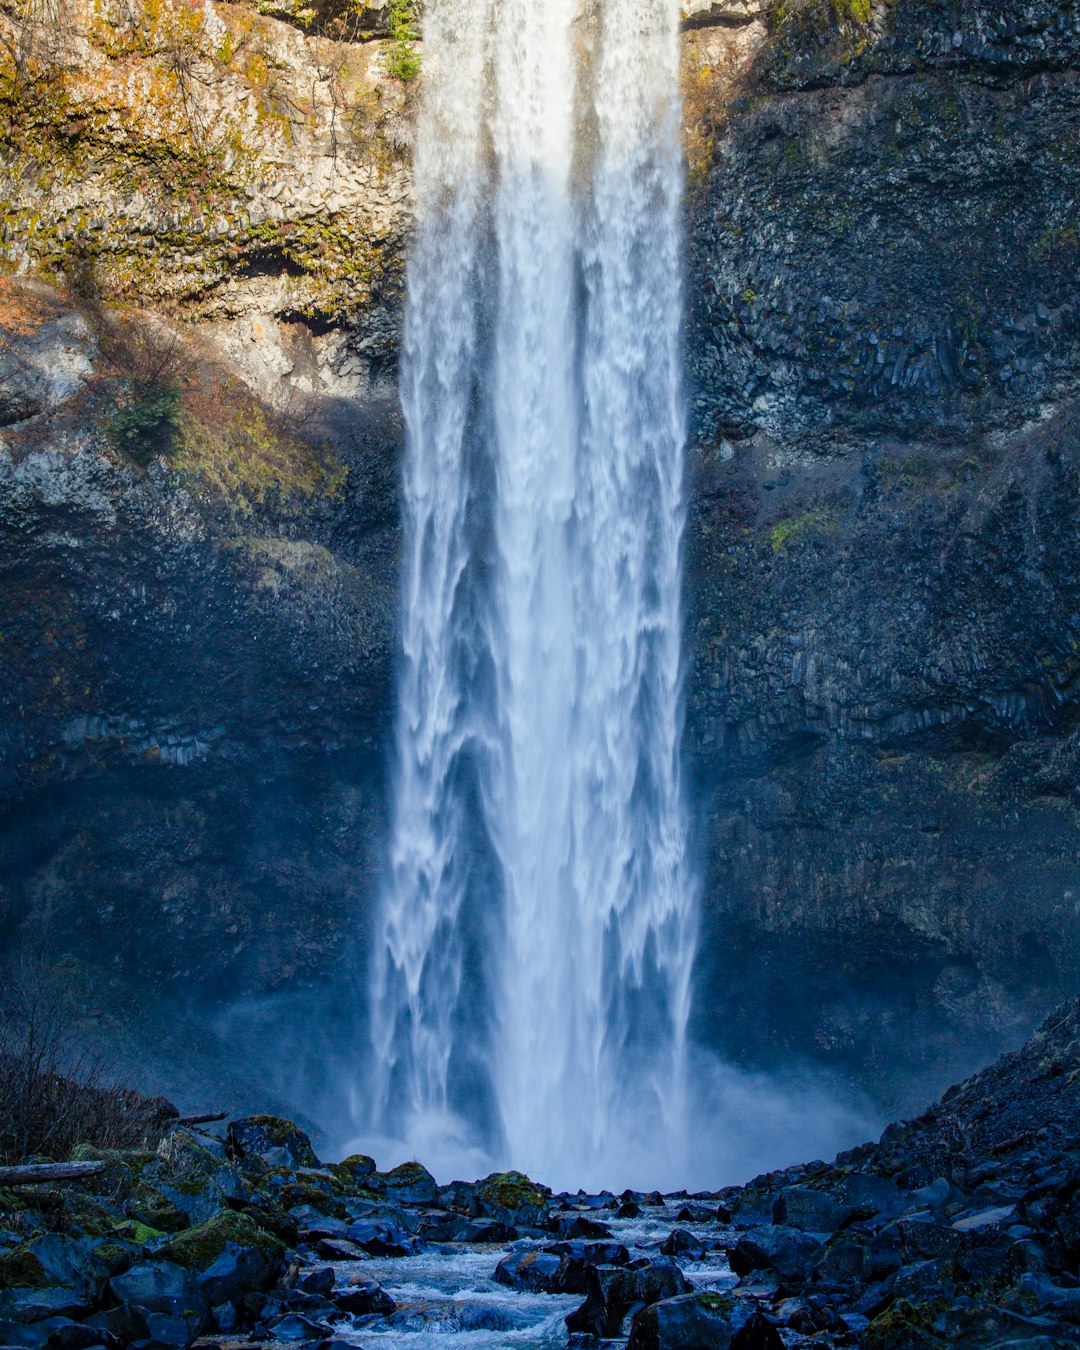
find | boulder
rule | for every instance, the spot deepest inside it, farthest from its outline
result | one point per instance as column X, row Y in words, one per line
column 273, row 1140
column 571, row 1225
column 355, row 1169
column 679, row 1241
column 810, row 1211
column 338, row 1249
column 487, row 1230
column 320, row 1281
column 170, row 1300
column 52, row 1259
column 361, row 1300
column 689, row 1322
column 229, row 1255
column 773, row 1247
column 381, row 1239
column 411, row 1184
column 34, row 1305
column 611, row 1292
column 511, row 1198
column 188, row 1175
column 295, row 1327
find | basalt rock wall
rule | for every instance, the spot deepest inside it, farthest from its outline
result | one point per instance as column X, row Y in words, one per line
column 883, row 557
column 199, row 610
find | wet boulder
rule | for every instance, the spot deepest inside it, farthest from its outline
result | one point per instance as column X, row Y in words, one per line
column 319, row 1281
column 538, row 1272
column 229, row 1256
column 487, row 1230
column 773, row 1247
column 340, row 1249
column 169, row 1299
column 511, row 1198
column 381, row 1239
column 364, row 1298
column 572, row 1225
column 273, row 1140
column 439, row 1317
column 53, row 1259
column 679, row 1242
column 689, row 1322
column 442, row 1227
column 293, row 1326
column 613, row 1292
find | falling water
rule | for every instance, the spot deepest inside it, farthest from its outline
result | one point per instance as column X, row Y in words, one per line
column 531, row 974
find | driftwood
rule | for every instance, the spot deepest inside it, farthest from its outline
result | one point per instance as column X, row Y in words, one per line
column 205, row 1119
column 32, row 1174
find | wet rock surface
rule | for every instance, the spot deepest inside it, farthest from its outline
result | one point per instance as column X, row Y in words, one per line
column 960, row 1227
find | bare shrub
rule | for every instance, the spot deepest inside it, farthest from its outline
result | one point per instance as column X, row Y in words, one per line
column 55, row 1091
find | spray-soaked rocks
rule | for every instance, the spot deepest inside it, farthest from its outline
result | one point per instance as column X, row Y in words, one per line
column 611, row 1292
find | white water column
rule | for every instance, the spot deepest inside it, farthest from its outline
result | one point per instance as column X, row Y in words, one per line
column 531, row 974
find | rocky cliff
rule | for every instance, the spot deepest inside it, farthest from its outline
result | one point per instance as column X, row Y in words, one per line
column 204, row 216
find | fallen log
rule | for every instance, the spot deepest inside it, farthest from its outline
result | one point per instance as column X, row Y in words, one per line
column 205, row 1119
column 32, row 1174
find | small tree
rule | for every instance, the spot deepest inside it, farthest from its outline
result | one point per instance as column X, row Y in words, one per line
column 403, row 61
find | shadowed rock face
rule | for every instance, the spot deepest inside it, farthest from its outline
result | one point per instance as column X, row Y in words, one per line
column 882, row 549
column 882, row 555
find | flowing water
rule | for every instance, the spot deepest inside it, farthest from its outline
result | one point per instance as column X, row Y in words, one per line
column 531, row 974
column 449, row 1290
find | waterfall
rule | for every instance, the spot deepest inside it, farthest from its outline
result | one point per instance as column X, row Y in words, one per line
column 530, row 981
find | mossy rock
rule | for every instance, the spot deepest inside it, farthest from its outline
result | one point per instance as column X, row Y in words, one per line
column 511, row 1197
column 410, row 1182
column 20, row 1269
column 355, row 1169
column 904, row 1326
column 273, row 1139
column 123, row 1169
column 300, row 1193
column 230, row 1255
column 118, row 1256
column 149, row 1206
column 198, row 1248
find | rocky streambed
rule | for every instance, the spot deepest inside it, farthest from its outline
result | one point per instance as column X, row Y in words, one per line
column 961, row 1227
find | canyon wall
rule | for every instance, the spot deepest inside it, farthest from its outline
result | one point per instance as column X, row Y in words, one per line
column 204, row 219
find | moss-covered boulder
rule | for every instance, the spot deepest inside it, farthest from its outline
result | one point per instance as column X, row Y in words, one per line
column 411, row 1184
column 51, row 1259
column 355, row 1170
column 510, row 1197
column 195, row 1176
column 271, row 1139
column 230, row 1255
column 151, row 1208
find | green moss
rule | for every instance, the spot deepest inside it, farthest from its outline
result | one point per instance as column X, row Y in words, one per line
column 719, row 1303
column 21, row 1269
column 150, row 1207
column 200, row 1247
column 904, row 1326
column 116, row 1255
column 819, row 521
column 510, row 1191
